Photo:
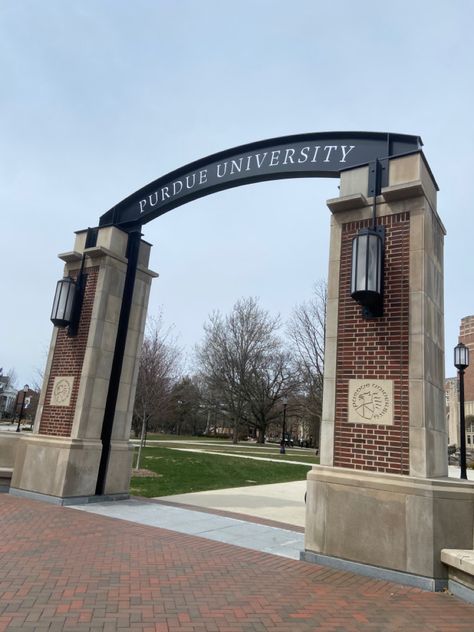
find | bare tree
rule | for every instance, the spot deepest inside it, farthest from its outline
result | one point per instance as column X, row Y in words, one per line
column 12, row 378
column 189, row 413
column 270, row 380
column 235, row 363
column 159, row 370
column 306, row 331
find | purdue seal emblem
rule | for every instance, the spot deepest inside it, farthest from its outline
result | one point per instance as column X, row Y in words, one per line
column 370, row 401
column 62, row 391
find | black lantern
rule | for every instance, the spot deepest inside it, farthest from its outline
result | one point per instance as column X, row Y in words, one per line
column 63, row 304
column 461, row 356
column 461, row 362
column 367, row 271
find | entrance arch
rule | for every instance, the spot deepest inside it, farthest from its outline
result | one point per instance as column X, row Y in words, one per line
column 382, row 473
column 317, row 155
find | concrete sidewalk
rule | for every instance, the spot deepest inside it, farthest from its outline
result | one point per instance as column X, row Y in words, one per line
column 282, row 502
column 64, row 569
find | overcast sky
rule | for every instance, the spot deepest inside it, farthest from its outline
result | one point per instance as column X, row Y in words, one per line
column 100, row 97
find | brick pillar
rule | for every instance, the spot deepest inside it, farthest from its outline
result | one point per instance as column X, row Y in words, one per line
column 405, row 348
column 60, row 459
column 384, row 440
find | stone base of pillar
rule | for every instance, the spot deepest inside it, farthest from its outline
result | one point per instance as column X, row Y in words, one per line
column 387, row 522
column 50, row 466
column 120, row 468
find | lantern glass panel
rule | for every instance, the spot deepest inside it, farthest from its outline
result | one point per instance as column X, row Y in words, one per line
column 461, row 356
column 372, row 263
column 361, row 264
column 366, row 264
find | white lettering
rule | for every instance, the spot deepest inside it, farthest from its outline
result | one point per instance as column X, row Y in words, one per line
column 237, row 166
column 175, row 190
column 329, row 148
column 164, row 194
column 203, row 176
column 275, row 157
column 344, row 152
column 303, row 152
column 156, row 198
column 219, row 174
column 289, row 153
column 190, row 186
column 315, row 155
column 142, row 205
column 260, row 162
column 249, row 158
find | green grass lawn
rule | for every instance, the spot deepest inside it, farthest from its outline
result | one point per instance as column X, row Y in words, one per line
column 273, row 452
column 159, row 436
column 183, row 472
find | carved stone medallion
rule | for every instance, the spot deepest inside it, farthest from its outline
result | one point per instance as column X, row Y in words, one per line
column 370, row 402
column 62, row 391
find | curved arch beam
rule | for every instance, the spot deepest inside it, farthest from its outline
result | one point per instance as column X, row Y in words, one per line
column 315, row 155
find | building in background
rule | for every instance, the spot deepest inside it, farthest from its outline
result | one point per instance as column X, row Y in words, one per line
column 7, row 397
column 466, row 335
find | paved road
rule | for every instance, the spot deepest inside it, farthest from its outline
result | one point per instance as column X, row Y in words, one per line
column 63, row 569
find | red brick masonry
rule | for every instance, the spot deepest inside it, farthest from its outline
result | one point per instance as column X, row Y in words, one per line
column 376, row 349
column 68, row 360
column 71, row 570
column 466, row 335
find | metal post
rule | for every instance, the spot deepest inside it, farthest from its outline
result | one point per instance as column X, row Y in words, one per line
column 283, row 433
column 462, row 424
column 21, row 411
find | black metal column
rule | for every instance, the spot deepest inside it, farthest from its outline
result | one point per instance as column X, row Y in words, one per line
column 462, row 426
column 117, row 362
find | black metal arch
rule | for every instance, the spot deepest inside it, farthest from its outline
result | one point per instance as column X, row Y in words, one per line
column 314, row 155
column 301, row 156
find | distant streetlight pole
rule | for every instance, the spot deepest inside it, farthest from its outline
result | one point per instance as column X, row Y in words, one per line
column 26, row 388
column 461, row 362
column 283, row 432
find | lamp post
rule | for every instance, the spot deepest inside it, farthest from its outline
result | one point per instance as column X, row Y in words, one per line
column 461, row 362
column 368, row 259
column 26, row 388
column 283, row 430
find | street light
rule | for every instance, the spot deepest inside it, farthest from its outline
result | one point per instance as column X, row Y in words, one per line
column 26, row 388
column 461, row 362
column 283, row 433
column 368, row 258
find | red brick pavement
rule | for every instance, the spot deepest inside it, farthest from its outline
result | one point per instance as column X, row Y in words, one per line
column 62, row 569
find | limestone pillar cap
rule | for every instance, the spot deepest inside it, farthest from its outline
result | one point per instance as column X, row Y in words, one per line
column 347, row 203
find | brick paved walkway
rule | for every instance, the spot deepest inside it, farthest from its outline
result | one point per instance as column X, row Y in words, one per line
column 61, row 569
